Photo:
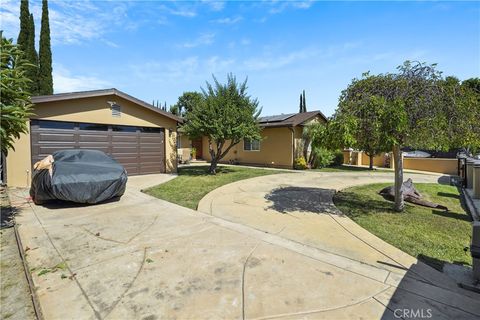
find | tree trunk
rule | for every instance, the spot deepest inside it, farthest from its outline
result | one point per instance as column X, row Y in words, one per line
column 371, row 162
column 213, row 166
column 398, row 161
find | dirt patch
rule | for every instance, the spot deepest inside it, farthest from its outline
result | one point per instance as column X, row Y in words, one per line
column 15, row 298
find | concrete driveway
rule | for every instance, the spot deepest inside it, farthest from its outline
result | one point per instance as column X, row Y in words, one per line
column 144, row 258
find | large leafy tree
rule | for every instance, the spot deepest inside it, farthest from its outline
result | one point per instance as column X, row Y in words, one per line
column 15, row 99
column 412, row 112
column 226, row 116
column 45, row 80
column 26, row 42
column 186, row 102
column 366, row 115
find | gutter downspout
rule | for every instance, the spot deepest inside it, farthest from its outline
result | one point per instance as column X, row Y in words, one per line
column 293, row 146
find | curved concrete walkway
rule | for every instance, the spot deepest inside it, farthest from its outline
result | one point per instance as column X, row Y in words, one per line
column 299, row 207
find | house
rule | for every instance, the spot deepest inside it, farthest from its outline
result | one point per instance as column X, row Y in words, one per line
column 281, row 142
column 139, row 136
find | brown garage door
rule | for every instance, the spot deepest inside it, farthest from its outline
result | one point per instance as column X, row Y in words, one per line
column 140, row 150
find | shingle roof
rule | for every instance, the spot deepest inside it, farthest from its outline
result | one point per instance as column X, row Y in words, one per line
column 100, row 93
column 289, row 120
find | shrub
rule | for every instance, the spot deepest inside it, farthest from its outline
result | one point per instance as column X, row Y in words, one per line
column 323, row 157
column 338, row 158
column 300, row 163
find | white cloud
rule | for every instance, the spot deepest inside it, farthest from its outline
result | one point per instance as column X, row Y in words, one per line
column 183, row 13
column 202, row 40
column 181, row 70
column 214, row 5
column 228, row 20
column 64, row 81
column 280, row 6
column 70, row 22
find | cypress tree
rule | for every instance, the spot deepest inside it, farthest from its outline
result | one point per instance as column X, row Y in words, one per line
column 45, row 80
column 304, row 103
column 26, row 42
column 32, row 56
column 22, row 39
column 300, row 109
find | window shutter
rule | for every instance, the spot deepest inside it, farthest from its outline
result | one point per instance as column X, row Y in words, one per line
column 116, row 111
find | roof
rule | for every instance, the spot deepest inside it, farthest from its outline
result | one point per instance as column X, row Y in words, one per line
column 101, row 93
column 289, row 120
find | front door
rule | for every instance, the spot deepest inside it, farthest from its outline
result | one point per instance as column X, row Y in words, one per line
column 197, row 144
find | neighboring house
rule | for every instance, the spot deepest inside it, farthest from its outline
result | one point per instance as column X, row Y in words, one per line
column 140, row 137
column 281, row 142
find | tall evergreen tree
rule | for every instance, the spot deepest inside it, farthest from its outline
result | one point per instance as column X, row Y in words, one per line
column 22, row 39
column 45, row 80
column 300, row 108
column 304, row 103
column 32, row 57
column 26, row 42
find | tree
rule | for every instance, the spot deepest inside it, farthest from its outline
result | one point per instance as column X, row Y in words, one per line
column 15, row 99
column 303, row 106
column 45, row 80
column 300, row 108
column 461, row 103
column 366, row 114
column 226, row 116
column 26, row 42
column 314, row 137
column 304, row 109
column 412, row 112
column 186, row 102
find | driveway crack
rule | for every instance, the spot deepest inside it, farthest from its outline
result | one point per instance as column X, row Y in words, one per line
column 130, row 284
column 243, row 279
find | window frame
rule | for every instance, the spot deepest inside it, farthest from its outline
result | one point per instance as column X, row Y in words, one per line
column 251, row 144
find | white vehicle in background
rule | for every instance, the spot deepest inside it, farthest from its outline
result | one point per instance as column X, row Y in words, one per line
column 416, row 154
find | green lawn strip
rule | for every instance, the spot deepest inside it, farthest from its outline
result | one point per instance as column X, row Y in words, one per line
column 431, row 235
column 193, row 183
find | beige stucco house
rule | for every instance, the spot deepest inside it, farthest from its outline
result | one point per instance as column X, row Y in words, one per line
column 140, row 137
column 281, row 141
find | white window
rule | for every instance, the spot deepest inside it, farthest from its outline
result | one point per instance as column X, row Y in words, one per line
column 251, row 145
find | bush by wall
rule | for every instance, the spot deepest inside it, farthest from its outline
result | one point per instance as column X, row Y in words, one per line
column 300, row 163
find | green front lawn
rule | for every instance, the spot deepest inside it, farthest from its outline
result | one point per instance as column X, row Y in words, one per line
column 431, row 235
column 193, row 183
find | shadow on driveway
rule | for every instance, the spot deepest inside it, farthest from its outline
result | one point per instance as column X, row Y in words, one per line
column 303, row 199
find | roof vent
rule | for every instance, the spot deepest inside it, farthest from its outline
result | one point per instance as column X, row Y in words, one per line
column 116, row 111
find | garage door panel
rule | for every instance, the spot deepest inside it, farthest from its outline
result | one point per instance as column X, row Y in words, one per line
column 151, row 139
column 93, row 138
column 55, row 137
column 138, row 152
column 126, row 137
column 117, row 150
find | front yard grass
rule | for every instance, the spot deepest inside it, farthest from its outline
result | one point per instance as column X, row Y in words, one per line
column 433, row 236
column 193, row 183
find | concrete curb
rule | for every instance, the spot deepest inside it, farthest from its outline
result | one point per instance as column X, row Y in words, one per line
column 31, row 286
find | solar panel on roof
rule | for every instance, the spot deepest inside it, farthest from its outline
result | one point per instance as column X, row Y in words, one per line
column 276, row 118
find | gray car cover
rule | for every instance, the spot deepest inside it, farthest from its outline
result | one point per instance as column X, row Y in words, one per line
column 79, row 175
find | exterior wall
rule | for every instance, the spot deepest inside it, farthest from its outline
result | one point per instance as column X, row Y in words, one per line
column 19, row 163
column 90, row 110
column 185, row 142
column 347, row 156
column 448, row 166
column 378, row 160
column 276, row 150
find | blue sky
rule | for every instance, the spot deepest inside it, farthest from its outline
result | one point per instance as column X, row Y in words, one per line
column 157, row 50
